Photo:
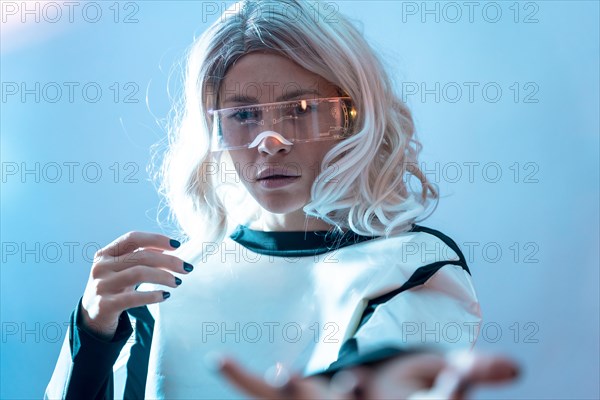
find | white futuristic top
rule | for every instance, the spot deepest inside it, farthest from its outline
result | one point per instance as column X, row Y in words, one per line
column 277, row 314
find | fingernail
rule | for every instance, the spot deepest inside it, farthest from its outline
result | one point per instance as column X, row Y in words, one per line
column 166, row 295
column 174, row 243
column 177, row 281
column 188, row 267
column 277, row 375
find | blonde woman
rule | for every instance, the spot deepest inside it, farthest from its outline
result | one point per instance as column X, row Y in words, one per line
column 286, row 171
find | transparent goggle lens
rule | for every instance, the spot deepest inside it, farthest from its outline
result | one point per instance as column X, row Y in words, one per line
column 297, row 121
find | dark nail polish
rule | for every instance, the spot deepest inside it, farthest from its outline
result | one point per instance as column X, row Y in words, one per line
column 177, row 281
column 166, row 295
column 174, row 243
column 188, row 267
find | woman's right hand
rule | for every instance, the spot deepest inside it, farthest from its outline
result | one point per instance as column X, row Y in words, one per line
column 134, row 258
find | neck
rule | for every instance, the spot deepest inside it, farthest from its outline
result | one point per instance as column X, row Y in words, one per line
column 295, row 221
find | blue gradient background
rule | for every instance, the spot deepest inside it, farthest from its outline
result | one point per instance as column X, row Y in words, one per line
column 557, row 216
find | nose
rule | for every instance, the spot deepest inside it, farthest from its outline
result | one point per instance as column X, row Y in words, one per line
column 271, row 145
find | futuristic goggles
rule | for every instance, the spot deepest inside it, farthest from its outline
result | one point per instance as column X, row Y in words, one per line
column 305, row 120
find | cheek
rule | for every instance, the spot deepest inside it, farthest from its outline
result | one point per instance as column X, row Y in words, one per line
column 318, row 155
column 243, row 165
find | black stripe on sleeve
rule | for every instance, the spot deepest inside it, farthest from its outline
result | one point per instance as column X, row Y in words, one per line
column 137, row 364
column 348, row 355
column 353, row 359
column 419, row 277
column 448, row 241
column 93, row 358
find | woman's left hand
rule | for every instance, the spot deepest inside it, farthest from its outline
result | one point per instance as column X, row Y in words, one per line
column 416, row 376
column 296, row 387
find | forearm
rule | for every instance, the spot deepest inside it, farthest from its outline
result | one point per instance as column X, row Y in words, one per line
column 84, row 367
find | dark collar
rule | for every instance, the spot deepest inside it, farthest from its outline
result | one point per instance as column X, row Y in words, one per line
column 296, row 243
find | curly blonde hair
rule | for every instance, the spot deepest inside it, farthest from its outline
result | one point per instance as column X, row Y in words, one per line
column 362, row 185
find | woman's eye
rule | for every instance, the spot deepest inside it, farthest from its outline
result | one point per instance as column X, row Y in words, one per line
column 244, row 116
column 303, row 108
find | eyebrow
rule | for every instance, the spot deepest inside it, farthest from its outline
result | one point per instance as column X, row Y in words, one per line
column 297, row 93
column 290, row 95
